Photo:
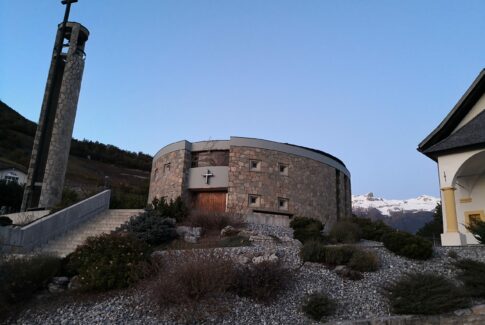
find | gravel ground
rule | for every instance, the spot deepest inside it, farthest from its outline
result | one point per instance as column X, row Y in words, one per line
column 356, row 299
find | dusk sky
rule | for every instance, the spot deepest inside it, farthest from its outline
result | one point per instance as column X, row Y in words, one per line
column 365, row 81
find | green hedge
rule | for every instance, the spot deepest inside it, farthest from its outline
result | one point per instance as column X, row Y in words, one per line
column 408, row 245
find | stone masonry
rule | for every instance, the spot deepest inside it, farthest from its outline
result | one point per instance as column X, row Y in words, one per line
column 309, row 186
column 314, row 184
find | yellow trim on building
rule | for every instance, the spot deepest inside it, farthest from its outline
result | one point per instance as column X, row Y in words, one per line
column 466, row 200
column 474, row 214
column 450, row 209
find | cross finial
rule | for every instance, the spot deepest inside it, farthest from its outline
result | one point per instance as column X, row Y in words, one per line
column 68, row 1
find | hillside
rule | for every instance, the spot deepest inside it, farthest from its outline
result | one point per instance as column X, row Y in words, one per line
column 89, row 162
column 408, row 215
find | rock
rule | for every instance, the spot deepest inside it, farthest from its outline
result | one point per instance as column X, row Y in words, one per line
column 191, row 239
column 229, row 231
column 462, row 312
column 75, row 283
column 60, row 280
column 347, row 273
column 189, row 234
column 265, row 258
column 478, row 310
column 55, row 288
column 243, row 259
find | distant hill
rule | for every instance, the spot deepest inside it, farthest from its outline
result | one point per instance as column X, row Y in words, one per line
column 89, row 162
column 407, row 215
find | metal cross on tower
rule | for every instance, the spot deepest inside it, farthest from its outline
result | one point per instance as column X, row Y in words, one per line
column 207, row 175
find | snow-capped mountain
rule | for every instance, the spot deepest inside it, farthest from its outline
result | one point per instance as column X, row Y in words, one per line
column 389, row 207
column 407, row 215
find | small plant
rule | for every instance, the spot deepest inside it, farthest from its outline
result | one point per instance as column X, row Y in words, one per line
column 214, row 220
column 21, row 277
column 175, row 209
column 345, row 232
column 305, row 229
column 317, row 306
column 151, row 228
column 339, row 255
column 263, row 281
column 109, row 261
column 372, row 230
column 363, row 261
column 477, row 228
column 424, row 294
column 472, row 274
column 313, row 251
column 407, row 245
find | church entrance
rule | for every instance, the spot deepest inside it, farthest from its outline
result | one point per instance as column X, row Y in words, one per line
column 209, row 201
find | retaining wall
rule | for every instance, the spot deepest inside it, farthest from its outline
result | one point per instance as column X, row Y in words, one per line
column 24, row 239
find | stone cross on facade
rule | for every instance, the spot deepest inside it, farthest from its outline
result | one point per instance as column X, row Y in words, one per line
column 207, row 176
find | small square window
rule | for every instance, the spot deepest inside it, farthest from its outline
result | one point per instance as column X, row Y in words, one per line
column 255, row 165
column 283, row 204
column 283, row 169
column 166, row 168
column 254, row 200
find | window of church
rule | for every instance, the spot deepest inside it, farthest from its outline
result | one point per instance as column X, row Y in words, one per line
column 255, row 165
column 254, row 200
column 283, row 203
column 283, row 169
column 166, row 168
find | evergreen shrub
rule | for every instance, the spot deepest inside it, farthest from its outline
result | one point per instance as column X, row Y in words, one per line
column 371, row 230
column 317, row 306
column 472, row 274
column 21, row 277
column 424, row 294
column 408, row 245
column 152, row 229
column 345, row 232
column 305, row 229
column 477, row 228
column 109, row 261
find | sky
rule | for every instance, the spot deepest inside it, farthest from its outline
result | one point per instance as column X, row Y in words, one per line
column 365, row 81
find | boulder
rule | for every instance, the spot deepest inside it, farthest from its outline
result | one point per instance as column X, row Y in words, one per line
column 60, row 280
column 56, row 288
column 265, row 258
column 75, row 283
column 478, row 310
column 229, row 231
column 189, row 234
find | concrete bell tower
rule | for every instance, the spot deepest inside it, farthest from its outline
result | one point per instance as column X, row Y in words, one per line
column 52, row 141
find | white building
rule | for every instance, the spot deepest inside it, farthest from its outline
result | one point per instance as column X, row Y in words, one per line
column 12, row 174
column 458, row 146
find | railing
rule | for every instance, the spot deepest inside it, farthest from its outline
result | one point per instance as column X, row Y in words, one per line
column 25, row 239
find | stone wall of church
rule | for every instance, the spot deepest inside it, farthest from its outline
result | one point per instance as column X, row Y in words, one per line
column 169, row 176
column 310, row 186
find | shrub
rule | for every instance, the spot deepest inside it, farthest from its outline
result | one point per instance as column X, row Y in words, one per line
column 21, row 277
column 317, row 306
column 214, row 220
column 452, row 254
column 346, row 232
column 172, row 209
column 407, row 245
column 371, row 230
column 477, row 228
column 313, row 251
column 109, row 261
column 5, row 221
column 301, row 222
column 151, row 228
column 364, row 261
column 433, row 229
column 424, row 294
column 191, row 277
column 339, row 255
column 305, row 229
column 262, row 281
column 472, row 274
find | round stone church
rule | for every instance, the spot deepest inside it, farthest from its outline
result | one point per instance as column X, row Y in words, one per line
column 268, row 182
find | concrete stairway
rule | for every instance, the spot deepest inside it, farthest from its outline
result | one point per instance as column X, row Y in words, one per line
column 106, row 222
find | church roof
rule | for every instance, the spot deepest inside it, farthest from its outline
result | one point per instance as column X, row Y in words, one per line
column 471, row 134
column 436, row 139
